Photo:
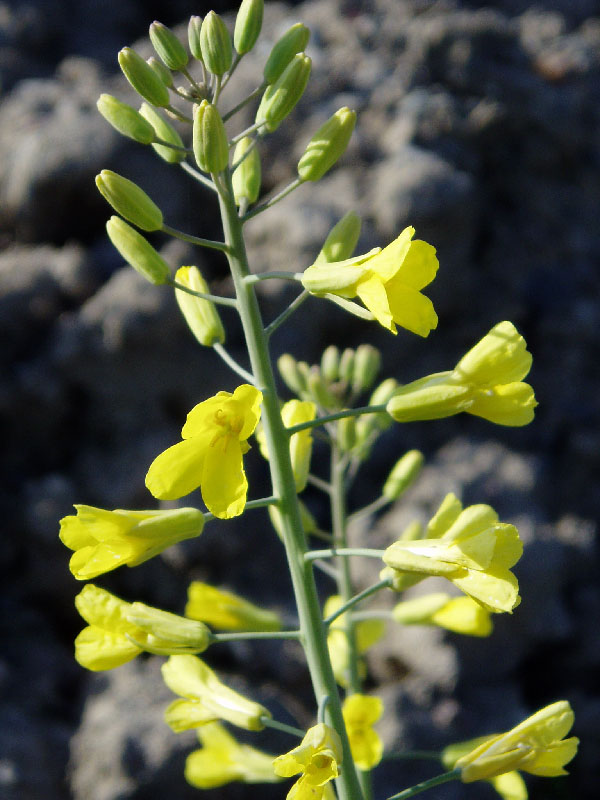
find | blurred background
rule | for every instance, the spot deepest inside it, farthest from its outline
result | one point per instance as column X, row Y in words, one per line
column 479, row 125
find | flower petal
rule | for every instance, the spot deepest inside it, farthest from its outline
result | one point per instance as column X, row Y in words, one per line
column 372, row 292
column 224, row 485
column 411, row 309
column 178, row 470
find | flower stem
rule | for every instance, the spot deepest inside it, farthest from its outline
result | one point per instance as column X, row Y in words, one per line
column 283, row 193
column 281, row 726
column 232, row 364
column 333, row 552
column 198, row 176
column 186, row 237
column 238, row 636
column 272, row 326
column 222, row 301
column 430, row 784
column 347, row 412
column 358, row 598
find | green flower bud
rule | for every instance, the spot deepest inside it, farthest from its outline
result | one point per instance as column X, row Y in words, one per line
column 318, row 390
column 215, row 44
column 382, row 394
column 327, row 145
column 209, row 139
column 247, row 177
column 281, row 97
column 367, row 362
column 293, row 41
column 168, row 47
column 347, row 365
column 138, row 252
column 341, row 240
column 194, row 28
column 404, row 472
column 163, row 73
column 201, row 315
column 346, row 433
column 143, row 78
column 292, row 376
column 129, row 200
column 165, row 131
column 247, row 25
column 125, row 119
column 330, row 363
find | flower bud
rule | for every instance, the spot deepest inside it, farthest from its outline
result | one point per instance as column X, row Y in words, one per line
column 227, row 611
column 246, row 177
column 381, row 395
column 280, row 98
column 129, row 200
column 404, row 472
column 165, row 131
column 201, row 315
column 292, row 376
column 138, row 252
column 168, row 47
column 194, row 28
column 247, row 25
column 209, row 138
column 346, row 433
column 327, row 145
column 125, row 119
column 330, row 363
column 143, row 78
column 293, row 41
column 347, row 365
column 433, row 397
column 318, row 390
column 163, row 73
column 341, row 240
column 166, row 631
column 367, row 362
column 215, row 44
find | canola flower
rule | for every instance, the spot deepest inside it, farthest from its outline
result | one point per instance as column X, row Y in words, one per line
column 388, row 282
column 509, row 785
column 457, row 614
column 210, row 456
column 118, row 631
column 104, row 540
column 360, row 713
column 317, row 758
column 537, row 745
column 222, row 759
column 227, row 611
column 487, row 382
column 472, row 549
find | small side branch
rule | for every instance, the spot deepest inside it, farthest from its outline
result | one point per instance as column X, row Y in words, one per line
column 377, row 587
column 187, row 237
column 293, row 306
column 284, row 193
column 198, row 176
column 347, row 412
column 233, row 364
column 214, row 298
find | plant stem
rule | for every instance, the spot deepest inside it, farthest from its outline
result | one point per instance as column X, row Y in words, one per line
column 281, row 726
column 197, row 175
column 272, row 326
column 309, row 610
column 238, row 636
column 347, row 412
column 283, row 193
column 259, row 90
column 233, row 364
column 358, row 598
column 187, row 237
column 333, row 552
column 214, row 298
column 430, row 784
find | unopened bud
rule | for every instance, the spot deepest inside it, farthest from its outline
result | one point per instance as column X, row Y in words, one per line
column 367, row 362
column 215, row 44
column 346, row 433
column 201, row 315
column 291, row 374
column 168, row 47
column 143, row 78
column 129, row 200
column 330, row 363
column 341, row 240
column 194, row 28
column 209, row 138
column 404, row 472
column 347, row 365
column 125, row 119
column 165, row 131
column 137, row 251
column 319, row 391
column 293, row 41
column 281, row 97
column 166, row 631
column 247, row 25
column 246, row 177
column 327, row 145
column 381, row 396
column 163, row 73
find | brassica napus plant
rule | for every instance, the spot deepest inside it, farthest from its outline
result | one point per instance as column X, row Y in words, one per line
column 470, row 547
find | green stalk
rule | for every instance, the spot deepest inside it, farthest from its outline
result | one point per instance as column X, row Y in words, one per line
column 430, row 784
column 309, row 610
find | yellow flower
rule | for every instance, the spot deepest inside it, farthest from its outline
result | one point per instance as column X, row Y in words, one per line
column 317, row 757
column 536, row 745
column 210, row 456
column 475, row 552
column 227, row 611
column 360, row 713
column 119, row 631
column 222, row 760
column 206, row 698
column 457, row 614
column 509, row 785
column 367, row 633
column 104, row 540
column 387, row 281
column 486, row 382
column 293, row 413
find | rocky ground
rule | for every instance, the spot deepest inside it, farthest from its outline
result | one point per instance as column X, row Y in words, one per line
column 480, row 127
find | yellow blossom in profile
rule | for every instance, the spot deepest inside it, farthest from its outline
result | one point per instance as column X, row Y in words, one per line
column 210, row 456
column 457, row 614
column 509, row 785
column 317, row 758
column 537, row 745
column 104, row 540
column 222, row 759
column 475, row 552
column 360, row 713
column 119, row 631
column 205, row 698
column 227, row 611
column 487, row 382
column 367, row 633
column 388, row 282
